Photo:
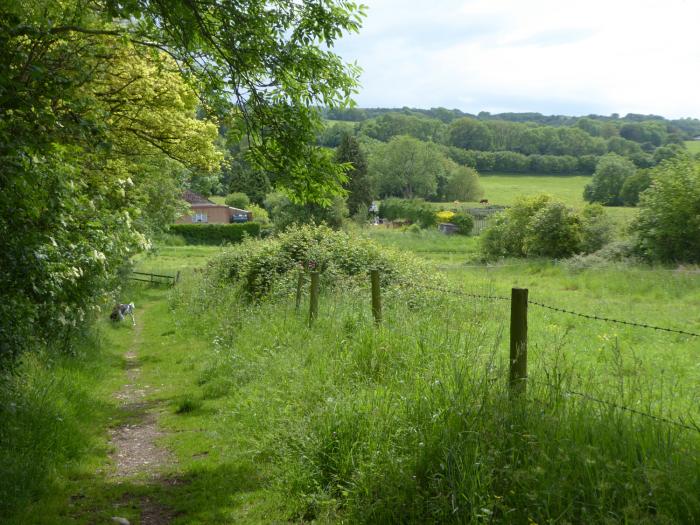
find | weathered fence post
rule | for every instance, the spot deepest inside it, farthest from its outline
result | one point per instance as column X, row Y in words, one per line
column 518, row 340
column 376, row 296
column 300, row 284
column 313, row 297
column 177, row 278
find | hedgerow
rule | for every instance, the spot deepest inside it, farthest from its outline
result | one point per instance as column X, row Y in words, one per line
column 215, row 233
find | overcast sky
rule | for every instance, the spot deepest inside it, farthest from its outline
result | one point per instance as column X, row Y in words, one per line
column 571, row 57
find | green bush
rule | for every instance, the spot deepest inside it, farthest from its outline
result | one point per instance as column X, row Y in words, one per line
column 414, row 210
column 505, row 235
column 539, row 227
column 633, row 186
column 668, row 226
column 237, row 200
column 553, row 231
column 464, row 223
column 215, row 233
column 259, row 265
column 596, row 228
column 260, row 214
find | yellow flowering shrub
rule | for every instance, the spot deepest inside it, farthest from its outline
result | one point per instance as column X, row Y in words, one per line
column 445, row 215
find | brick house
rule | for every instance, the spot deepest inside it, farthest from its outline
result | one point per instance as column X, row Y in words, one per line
column 204, row 211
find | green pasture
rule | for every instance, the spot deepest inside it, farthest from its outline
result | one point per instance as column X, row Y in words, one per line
column 349, row 422
column 693, row 146
column 504, row 188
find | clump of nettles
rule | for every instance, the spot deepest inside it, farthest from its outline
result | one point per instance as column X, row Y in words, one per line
column 272, row 266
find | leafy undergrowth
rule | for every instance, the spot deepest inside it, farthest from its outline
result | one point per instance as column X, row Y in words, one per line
column 412, row 422
column 54, row 408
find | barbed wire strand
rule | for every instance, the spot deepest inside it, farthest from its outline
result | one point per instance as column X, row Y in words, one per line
column 609, row 320
column 556, row 309
column 617, row 406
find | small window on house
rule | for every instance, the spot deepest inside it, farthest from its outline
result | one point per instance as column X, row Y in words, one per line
column 200, row 217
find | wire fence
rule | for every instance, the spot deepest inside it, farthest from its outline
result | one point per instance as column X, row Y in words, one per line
column 521, row 377
column 609, row 320
column 557, row 309
column 611, row 404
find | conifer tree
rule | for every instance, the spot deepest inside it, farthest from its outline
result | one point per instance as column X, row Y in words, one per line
column 358, row 184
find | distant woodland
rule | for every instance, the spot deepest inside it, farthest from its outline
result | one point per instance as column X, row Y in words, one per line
column 519, row 142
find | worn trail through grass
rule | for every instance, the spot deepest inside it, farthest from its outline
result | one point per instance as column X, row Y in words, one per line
column 137, row 454
column 167, row 460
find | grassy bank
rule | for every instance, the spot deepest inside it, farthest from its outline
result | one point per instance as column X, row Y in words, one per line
column 412, row 422
column 54, row 409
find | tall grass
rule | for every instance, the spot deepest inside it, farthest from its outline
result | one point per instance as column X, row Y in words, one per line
column 52, row 415
column 412, row 421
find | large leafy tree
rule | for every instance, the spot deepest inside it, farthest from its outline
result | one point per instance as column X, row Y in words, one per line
column 407, row 167
column 462, row 185
column 611, row 172
column 108, row 107
column 469, row 133
column 668, row 225
column 270, row 61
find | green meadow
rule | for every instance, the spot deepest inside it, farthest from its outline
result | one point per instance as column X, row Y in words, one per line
column 504, row 188
column 693, row 146
column 269, row 419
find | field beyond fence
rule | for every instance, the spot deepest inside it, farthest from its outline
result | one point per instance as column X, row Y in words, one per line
column 405, row 404
column 518, row 336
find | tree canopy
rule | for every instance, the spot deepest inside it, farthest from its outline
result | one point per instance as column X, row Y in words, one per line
column 108, row 107
column 668, row 225
column 607, row 182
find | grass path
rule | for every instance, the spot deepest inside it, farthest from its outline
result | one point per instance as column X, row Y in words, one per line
column 137, row 454
column 168, row 461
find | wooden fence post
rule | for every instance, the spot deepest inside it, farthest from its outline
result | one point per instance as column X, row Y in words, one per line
column 300, row 284
column 518, row 340
column 313, row 297
column 376, row 296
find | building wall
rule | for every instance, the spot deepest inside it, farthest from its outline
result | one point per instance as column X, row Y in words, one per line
column 215, row 215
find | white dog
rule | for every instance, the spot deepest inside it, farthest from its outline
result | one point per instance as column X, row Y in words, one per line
column 122, row 310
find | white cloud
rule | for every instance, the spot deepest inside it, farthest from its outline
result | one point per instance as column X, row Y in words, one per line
column 575, row 57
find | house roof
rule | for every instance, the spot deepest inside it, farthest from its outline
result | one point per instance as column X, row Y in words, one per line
column 195, row 198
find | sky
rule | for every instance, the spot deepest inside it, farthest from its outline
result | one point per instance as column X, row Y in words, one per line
column 572, row 57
